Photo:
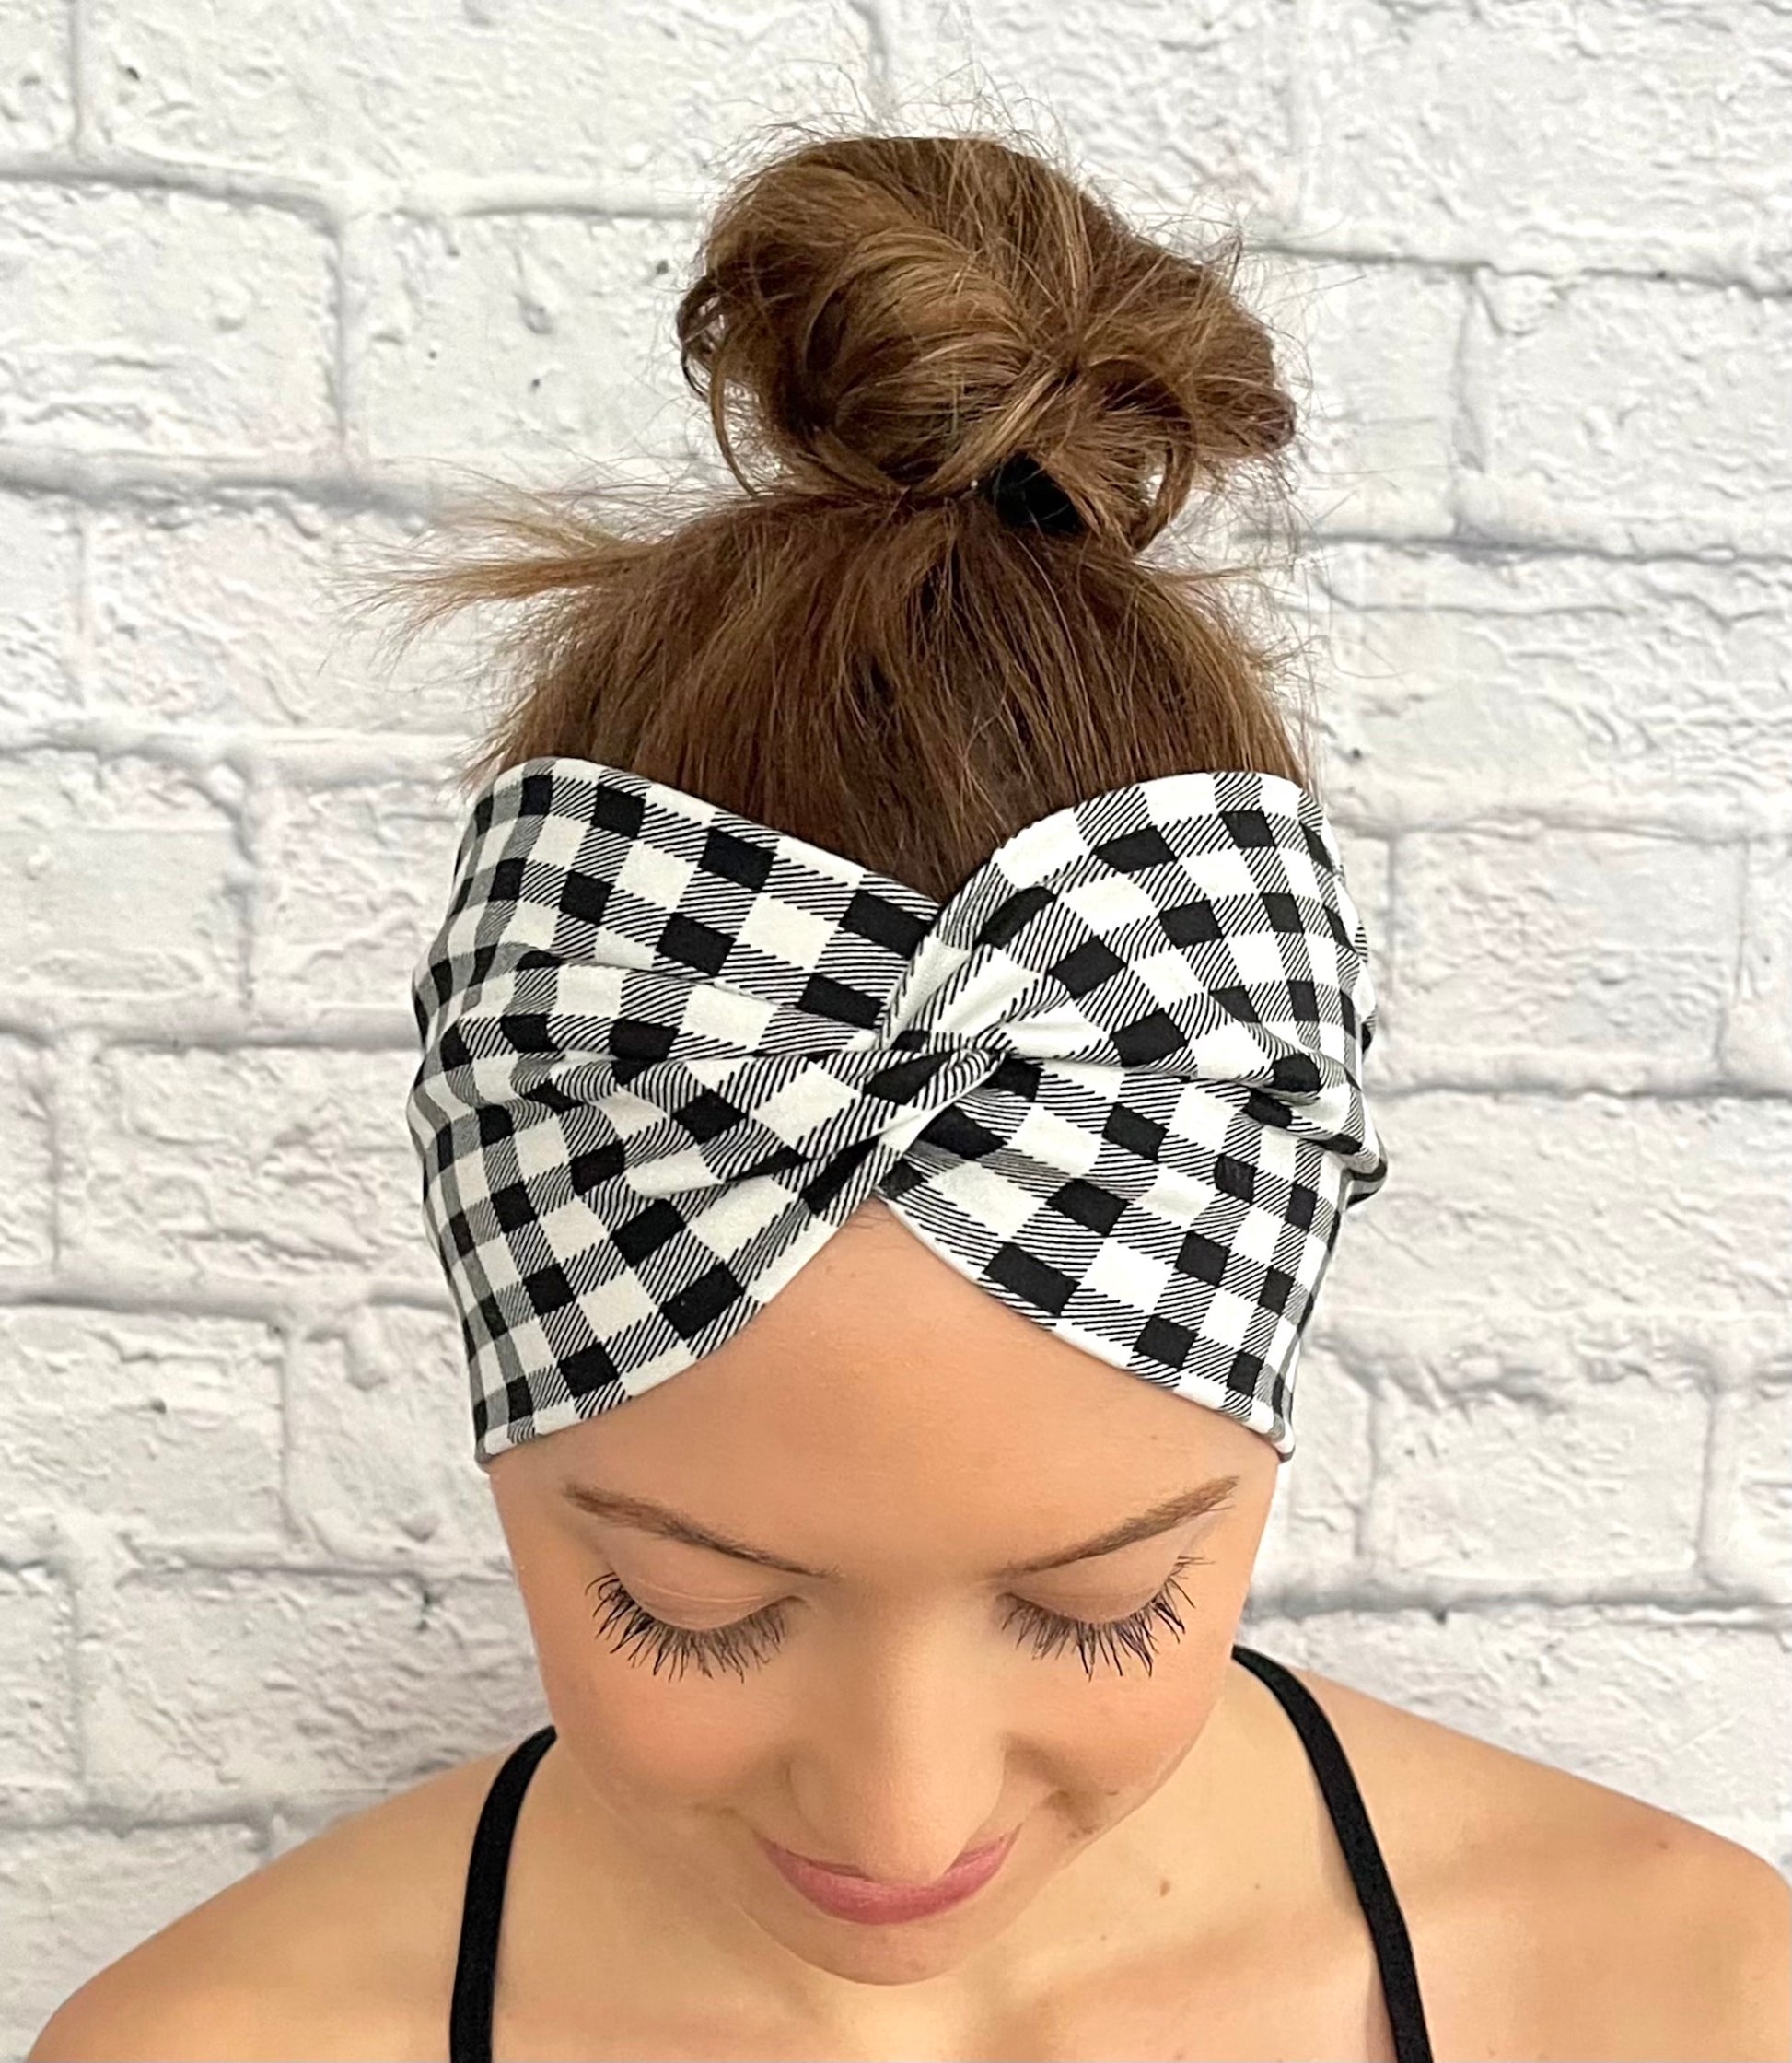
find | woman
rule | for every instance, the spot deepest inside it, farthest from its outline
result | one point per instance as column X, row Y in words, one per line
column 888, row 1633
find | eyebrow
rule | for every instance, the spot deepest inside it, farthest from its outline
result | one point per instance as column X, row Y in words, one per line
column 645, row 1516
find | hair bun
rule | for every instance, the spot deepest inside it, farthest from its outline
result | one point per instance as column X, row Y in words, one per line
column 936, row 319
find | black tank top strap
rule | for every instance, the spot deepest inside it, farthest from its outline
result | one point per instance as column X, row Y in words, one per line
column 482, row 1912
column 1369, row 1872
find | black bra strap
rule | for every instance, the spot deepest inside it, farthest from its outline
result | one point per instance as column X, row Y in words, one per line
column 476, row 1967
column 1375, row 1891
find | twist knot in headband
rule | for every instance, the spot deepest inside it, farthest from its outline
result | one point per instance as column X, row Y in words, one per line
column 668, row 1052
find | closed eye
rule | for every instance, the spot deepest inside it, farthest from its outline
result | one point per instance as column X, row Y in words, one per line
column 752, row 1642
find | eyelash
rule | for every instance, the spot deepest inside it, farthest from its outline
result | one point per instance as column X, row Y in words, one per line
column 756, row 1638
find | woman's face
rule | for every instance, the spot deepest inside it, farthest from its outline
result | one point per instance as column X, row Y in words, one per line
column 885, row 1421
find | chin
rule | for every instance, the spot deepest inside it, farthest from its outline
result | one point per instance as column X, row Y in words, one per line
column 915, row 1953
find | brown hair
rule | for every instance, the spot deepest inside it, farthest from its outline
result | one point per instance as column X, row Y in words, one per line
column 961, row 395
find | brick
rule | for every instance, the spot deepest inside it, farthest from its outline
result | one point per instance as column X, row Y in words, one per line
column 523, row 339
column 382, row 1461
column 25, row 1236
column 1589, row 430
column 1369, row 876
column 1311, row 1535
column 1757, row 1033
column 36, row 103
column 1751, row 1486
column 1460, row 129
column 1616, row 938
column 39, row 547
column 39, row 1759
column 1679, row 1712
column 121, row 876
column 354, row 883
column 225, row 1688
column 561, row 90
column 1534, row 1473
column 226, row 307
column 1146, row 89
column 1506, row 682
column 169, row 1417
column 1376, row 439
column 275, row 1166
column 1515, row 1205
column 238, row 612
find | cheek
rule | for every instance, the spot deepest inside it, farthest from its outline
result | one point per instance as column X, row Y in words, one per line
column 1119, row 1738
column 1150, row 1722
column 681, row 1739
column 668, row 1738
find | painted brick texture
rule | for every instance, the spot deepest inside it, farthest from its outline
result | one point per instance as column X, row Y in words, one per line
column 269, row 282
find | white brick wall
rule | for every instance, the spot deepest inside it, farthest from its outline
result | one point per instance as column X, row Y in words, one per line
column 264, row 286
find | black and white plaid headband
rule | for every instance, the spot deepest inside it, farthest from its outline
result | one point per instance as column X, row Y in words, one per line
column 668, row 1052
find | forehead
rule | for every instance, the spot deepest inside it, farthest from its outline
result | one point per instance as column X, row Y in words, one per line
column 882, row 1394
column 878, row 1343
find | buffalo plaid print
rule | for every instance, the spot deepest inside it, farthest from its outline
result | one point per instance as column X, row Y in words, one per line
column 1114, row 1080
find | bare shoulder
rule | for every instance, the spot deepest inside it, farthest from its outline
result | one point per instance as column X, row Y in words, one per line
column 341, row 1947
column 1555, row 1917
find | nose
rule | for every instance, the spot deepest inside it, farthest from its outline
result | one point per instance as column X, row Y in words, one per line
column 917, row 1846
column 906, row 1766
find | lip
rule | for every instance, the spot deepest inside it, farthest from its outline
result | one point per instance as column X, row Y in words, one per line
column 876, row 1904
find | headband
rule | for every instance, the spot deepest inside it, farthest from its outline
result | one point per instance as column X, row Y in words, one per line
column 668, row 1052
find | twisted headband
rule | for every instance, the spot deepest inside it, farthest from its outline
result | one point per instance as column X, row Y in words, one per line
column 668, row 1052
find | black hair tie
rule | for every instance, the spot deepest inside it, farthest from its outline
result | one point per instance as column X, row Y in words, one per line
column 1027, row 498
